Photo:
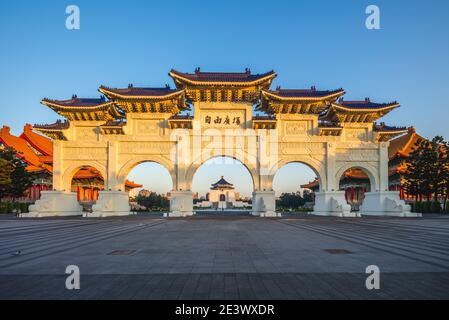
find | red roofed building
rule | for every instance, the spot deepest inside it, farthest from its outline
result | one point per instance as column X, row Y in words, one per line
column 37, row 151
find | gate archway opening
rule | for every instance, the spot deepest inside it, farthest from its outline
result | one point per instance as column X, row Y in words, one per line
column 149, row 184
column 355, row 182
column 222, row 183
column 295, row 184
column 87, row 182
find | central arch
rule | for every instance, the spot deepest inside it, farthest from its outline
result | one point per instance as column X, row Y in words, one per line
column 192, row 169
column 234, row 190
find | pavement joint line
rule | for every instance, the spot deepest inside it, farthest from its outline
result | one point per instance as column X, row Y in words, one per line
column 392, row 224
column 348, row 238
column 373, row 239
column 53, row 236
column 38, row 230
column 58, row 231
column 386, row 236
column 49, row 243
column 94, row 239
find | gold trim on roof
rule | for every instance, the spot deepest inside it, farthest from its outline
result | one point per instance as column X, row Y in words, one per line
column 107, row 92
column 275, row 96
column 175, row 75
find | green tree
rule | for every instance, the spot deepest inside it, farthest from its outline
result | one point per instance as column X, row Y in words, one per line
column 444, row 162
column 290, row 201
column 440, row 167
column 414, row 176
column 153, row 201
column 20, row 179
column 6, row 169
column 426, row 169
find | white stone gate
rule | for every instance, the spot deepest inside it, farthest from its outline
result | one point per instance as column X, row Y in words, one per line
column 136, row 125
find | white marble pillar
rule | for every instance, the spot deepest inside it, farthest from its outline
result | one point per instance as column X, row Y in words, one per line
column 53, row 204
column 332, row 203
column 264, row 204
column 386, row 203
column 110, row 204
column 181, row 203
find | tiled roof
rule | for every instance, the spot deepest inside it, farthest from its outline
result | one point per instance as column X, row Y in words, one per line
column 46, row 159
column 114, row 123
column 222, row 183
column 305, row 93
column 229, row 77
column 41, row 143
column 132, row 184
column 81, row 109
column 181, row 117
column 77, row 102
column 22, row 148
column 264, row 118
column 311, row 184
column 132, row 91
column 356, row 111
column 87, row 172
column 58, row 125
column 365, row 104
column 327, row 124
column 37, row 163
column 404, row 145
column 382, row 127
column 355, row 173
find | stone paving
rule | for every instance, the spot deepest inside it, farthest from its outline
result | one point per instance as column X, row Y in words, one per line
column 225, row 257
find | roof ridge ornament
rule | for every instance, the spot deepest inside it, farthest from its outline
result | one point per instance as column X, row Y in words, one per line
column 197, row 70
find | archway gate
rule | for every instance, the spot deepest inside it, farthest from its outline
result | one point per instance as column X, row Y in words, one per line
column 131, row 125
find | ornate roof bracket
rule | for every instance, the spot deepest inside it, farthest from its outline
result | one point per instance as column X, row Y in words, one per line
column 264, row 122
column 383, row 132
column 54, row 131
column 180, row 122
column 242, row 87
column 357, row 111
column 142, row 100
column 83, row 109
column 299, row 101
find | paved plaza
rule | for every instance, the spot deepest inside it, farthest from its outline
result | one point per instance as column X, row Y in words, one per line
column 224, row 257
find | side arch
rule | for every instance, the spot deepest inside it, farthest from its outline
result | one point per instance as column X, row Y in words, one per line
column 126, row 168
column 71, row 170
column 312, row 163
column 370, row 170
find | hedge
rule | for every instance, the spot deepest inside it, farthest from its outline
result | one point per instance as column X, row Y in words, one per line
column 10, row 207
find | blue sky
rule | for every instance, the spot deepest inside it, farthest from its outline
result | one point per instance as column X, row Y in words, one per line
column 321, row 43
